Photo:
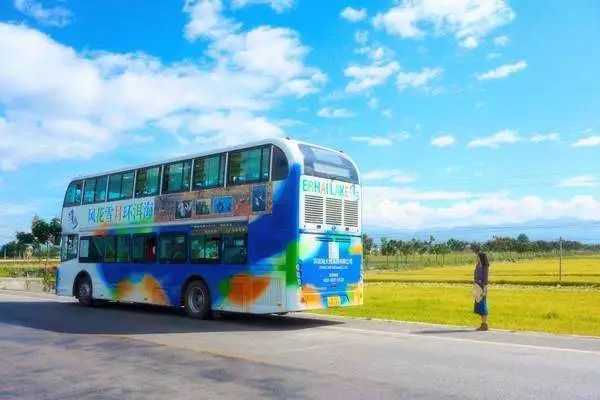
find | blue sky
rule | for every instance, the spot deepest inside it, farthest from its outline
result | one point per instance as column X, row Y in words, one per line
column 481, row 112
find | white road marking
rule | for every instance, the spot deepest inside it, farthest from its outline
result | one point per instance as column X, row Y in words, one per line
column 455, row 339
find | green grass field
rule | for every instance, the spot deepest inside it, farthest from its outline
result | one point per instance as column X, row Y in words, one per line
column 524, row 295
column 556, row 310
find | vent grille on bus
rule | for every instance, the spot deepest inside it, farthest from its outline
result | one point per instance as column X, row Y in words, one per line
column 333, row 211
column 273, row 295
column 313, row 209
column 351, row 213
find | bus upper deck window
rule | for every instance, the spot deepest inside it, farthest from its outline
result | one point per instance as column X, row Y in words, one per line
column 176, row 177
column 208, row 171
column 73, row 196
column 94, row 190
column 120, row 186
column 328, row 164
column 247, row 166
column 148, row 182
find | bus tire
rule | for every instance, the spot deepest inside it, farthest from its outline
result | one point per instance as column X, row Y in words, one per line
column 196, row 300
column 84, row 291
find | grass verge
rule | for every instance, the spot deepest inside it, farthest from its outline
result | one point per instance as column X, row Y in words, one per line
column 554, row 310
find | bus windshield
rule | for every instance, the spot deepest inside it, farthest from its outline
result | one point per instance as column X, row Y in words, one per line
column 327, row 164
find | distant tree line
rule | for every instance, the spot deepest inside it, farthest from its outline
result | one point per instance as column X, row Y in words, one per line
column 520, row 244
column 43, row 239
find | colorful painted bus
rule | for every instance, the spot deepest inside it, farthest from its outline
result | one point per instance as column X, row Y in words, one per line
column 269, row 227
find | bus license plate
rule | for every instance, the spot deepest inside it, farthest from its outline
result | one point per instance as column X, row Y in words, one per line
column 333, row 301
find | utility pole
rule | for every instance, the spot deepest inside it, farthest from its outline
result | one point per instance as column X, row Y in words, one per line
column 560, row 260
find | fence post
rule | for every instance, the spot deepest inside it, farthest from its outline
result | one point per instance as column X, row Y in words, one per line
column 560, row 260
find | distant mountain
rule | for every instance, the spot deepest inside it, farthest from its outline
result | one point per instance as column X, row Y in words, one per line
column 568, row 228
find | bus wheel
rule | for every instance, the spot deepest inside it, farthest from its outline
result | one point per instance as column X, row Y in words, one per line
column 197, row 300
column 84, row 291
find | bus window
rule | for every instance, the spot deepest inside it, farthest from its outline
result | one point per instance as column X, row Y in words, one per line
column 116, row 249
column 100, row 194
column 94, row 190
column 91, row 249
column 172, row 248
column 110, row 249
column 123, row 248
column 205, row 249
column 327, row 164
column 234, row 249
column 73, row 196
column 208, row 171
column 176, row 177
column 120, row 186
column 68, row 248
column 144, row 248
column 279, row 169
column 247, row 166
column 89, row 191
column 148, row 182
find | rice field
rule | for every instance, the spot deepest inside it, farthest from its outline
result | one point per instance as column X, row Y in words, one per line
column 527, row 295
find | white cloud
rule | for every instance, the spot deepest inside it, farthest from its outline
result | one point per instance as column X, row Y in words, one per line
column 353, row 14
column 492, row 56
column 381, row 141
column 389, row 175
column 494, row 141
column 327, row 112
column 501, row 40
column 579, row 181
column 387, row 113
column 207, row 21
column 376, row 141
column 470, row 42
column 278, row 6
column 550, row 137
column 361, row 37
column 443, row 141
column 220, row 128
column 503, row 71
column 417, row 80
column 375, row 53
column 468, row 20
column 398, row 208
column 55, row 16
column 60, row 104
column 368, row 76
column 373, row 103
column 590, row 141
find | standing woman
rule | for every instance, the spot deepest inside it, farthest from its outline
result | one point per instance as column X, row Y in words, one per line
column 480, row 277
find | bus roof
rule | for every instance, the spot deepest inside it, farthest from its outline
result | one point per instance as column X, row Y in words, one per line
column 289, row 146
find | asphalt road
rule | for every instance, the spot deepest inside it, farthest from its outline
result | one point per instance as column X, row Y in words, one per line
column 51, row 348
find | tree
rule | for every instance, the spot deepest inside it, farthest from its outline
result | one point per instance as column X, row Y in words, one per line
column 46, row 232
column 406, row 248
column 522, row 238
column 456, row 245
column 25, row 238
column 367, row 244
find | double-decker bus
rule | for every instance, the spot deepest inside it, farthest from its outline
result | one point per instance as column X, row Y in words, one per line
column 269, row 227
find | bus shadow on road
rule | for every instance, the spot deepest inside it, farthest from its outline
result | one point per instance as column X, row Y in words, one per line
column 123, row 319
